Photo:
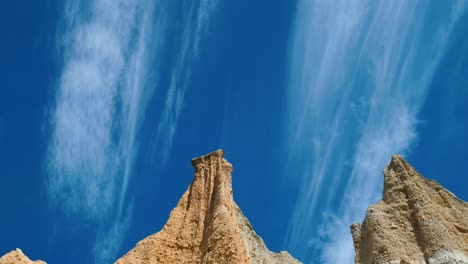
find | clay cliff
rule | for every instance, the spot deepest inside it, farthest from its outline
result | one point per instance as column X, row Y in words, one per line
column 206, row 226
column 17, row 257
column 418, row 221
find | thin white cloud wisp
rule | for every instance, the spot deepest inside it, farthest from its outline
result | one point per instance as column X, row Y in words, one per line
column 197, row 23
column 360, row 72
column 96, row 114
column 110, row 65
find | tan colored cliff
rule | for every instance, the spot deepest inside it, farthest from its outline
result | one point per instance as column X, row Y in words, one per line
column 418, row 221
column 206, row 226
column 17, row 257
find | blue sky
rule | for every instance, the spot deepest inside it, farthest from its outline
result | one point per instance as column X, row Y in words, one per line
column 104, row 103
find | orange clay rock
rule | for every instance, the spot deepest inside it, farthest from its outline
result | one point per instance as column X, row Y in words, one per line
column 418, row 221
column 17, row 257
column 206, row 226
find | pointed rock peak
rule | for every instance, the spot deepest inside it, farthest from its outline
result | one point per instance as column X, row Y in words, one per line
column 397, row 164
column 396, row 161
column 418, row 221
column 17, row 257
column 396, row 173
column 397, row 157
column 206, row 226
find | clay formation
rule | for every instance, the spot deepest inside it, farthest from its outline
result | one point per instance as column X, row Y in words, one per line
column 418, row 221
column 206, row 226
column 17, row 257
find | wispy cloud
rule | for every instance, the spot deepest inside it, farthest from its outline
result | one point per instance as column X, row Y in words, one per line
column 99, row 102
column 195, row 25
column 360, row 71
column 109, row 52
column 109, row 240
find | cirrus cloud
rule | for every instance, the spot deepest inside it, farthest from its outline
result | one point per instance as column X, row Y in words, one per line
column 360, row 72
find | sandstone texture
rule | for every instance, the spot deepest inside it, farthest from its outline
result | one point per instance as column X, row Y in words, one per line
column 206, row 226
column 418, row 221
column 17, row 257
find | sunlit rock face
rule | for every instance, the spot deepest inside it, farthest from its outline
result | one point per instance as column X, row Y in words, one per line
column 206, row 226
column 17, row 257
column 418, row 221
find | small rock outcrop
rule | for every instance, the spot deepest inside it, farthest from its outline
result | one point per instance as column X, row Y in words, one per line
column 17, row 257
column 206, row 226
column 418, row 221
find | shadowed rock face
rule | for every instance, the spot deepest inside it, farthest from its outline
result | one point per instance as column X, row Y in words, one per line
column 206, row 226
column 17, row 257
column 418, row 221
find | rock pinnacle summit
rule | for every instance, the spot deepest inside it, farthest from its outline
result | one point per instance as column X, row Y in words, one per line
column 206, row 226
column 417, row 222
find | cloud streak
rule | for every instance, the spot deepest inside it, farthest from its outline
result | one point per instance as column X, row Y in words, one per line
column 360, row 71
column 99, row 103
column 196, row 24
column 110, row 69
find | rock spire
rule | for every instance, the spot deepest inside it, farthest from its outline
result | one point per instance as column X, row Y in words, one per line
column 206, row 226
column 418, row 221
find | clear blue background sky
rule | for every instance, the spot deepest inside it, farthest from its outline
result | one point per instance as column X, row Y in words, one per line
column 237, row 85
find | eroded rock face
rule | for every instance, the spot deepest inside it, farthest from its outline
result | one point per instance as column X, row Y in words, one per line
column 206, row 226
column 418, row 221
column 17, row 257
